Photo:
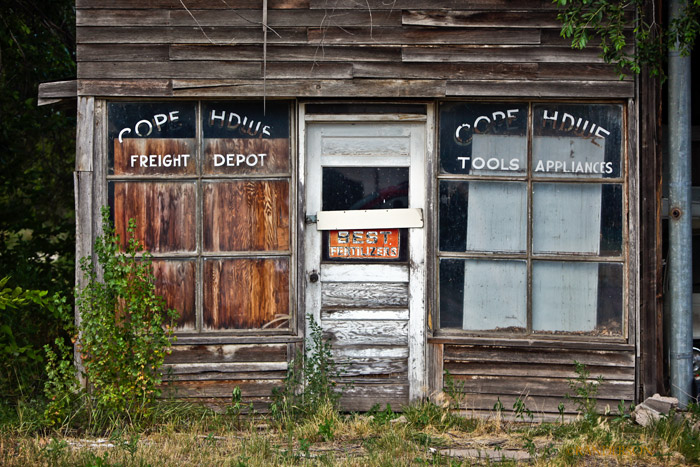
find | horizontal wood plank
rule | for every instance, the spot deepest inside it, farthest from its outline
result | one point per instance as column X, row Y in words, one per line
column 513, row 17
column 551, row 355
column 362, row 397
column 367, row 35
column 347, row 351
column 191, row 4
column 126, row 87
column 227, row 353
column 529, row 369
column 398, row 88
column 376, row 333
column 219, row 367
column 205, row 389
column 452, row 71
column 373, row 366
column 524, row 385
column 502, row 54
column 430, row 4
column 328, row 314
column 365, row 272
column 225, row 376
column 58, row 89
column 364, row 295
column 551, row 88
column 287, row 53
column 122, row 52
column 186, row 35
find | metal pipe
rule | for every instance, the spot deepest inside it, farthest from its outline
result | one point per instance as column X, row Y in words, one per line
column 680, row 221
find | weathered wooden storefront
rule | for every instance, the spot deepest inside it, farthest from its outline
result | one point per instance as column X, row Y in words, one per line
column 442, row 185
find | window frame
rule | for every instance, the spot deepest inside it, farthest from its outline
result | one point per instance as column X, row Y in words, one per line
column 106, row 180
column 627, row 248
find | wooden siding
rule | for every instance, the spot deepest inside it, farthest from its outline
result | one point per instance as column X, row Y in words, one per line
column 208, row 373
column 537, row 374
column 339, row 48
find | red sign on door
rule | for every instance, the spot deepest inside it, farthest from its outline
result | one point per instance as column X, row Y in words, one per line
column 364, row 244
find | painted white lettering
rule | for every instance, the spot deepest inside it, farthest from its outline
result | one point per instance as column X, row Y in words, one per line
column 464, row 161
column 458, row 137
column 539, row 167
column 160, row 120
column 215, row 117
column 121, row 133
column 478, row 163
column 150, row 128
column 514, row 164
column 563, row 122
column 134, row 158
column 476, row 124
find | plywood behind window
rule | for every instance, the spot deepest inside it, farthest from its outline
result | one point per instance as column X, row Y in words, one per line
column 244, row 156
column 245, row 293
column 246, row 215
column 175, row 281
column 164, row 213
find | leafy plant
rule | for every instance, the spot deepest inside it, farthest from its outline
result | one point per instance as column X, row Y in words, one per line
column 455, row 391
column 608, row 20
column 585, row 391
column 125, row 329
column 521, row 410
column 310, row 383
column 61, row 387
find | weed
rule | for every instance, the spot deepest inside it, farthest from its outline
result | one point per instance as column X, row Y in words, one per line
column 125, row 328
column 326, row 430
column 585, row 392
column 561, row 409
column 379, row 416
column 455, row 391
column 130, row 445
column 310, row 382
column 54, row 451
column 521, row 410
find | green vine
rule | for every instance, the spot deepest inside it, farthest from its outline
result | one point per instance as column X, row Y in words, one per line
column 631, row 36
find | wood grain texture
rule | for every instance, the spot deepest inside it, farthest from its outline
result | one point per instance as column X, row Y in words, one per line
column 245, row 293
column 227, row 353
column 176, row 148
column 504, row 54
column 128, row 87
column 275, row 161
column 364, row 295
column 175, row 281
column 286, row 53
column 388, row 35
column 377, row 333
column 488, row 18
column 430, row 4
column 122, row 53
column 164, row 213
column 205, row 389
column 186, row 35
column 193, row 4
column 246, row 215
column 545, row 355
column 358, row 398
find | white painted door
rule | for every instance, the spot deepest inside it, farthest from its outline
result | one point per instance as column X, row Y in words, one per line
column 367, row 292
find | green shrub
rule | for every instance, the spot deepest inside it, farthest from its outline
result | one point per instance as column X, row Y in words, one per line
column 125, row 329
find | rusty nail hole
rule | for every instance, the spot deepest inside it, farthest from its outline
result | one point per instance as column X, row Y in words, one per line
column 676, row 213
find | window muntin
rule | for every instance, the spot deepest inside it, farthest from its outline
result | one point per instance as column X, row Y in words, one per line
column 531, row 218
column 209, row 185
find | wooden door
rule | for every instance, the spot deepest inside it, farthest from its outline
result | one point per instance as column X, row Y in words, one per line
column 365, row 285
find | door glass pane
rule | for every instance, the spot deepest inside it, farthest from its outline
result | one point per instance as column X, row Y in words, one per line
column 361, row 188
column 483, row 295
column 577, row 218
column 577, row 297
column 483, row 216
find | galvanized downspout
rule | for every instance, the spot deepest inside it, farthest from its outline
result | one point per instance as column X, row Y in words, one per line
column 680, row 221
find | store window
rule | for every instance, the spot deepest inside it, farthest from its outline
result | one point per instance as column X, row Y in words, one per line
column 209, row 185
column 531, row 222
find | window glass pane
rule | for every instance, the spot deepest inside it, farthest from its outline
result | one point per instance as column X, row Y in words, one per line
column 577, row 297
column 483, row 139
column 246, row 293
column 577, row 140
column 164, row 213
column 246, row 215
column 483, row 294
column 483, row 216
column 577, row 218
column 152, row 138
column 244, row 137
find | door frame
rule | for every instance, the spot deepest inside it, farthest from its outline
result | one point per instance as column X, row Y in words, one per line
column 420, row 181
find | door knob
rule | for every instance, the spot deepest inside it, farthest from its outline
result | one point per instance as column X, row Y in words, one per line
column 313, row 276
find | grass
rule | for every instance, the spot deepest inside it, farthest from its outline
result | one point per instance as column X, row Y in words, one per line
column 184, row 434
